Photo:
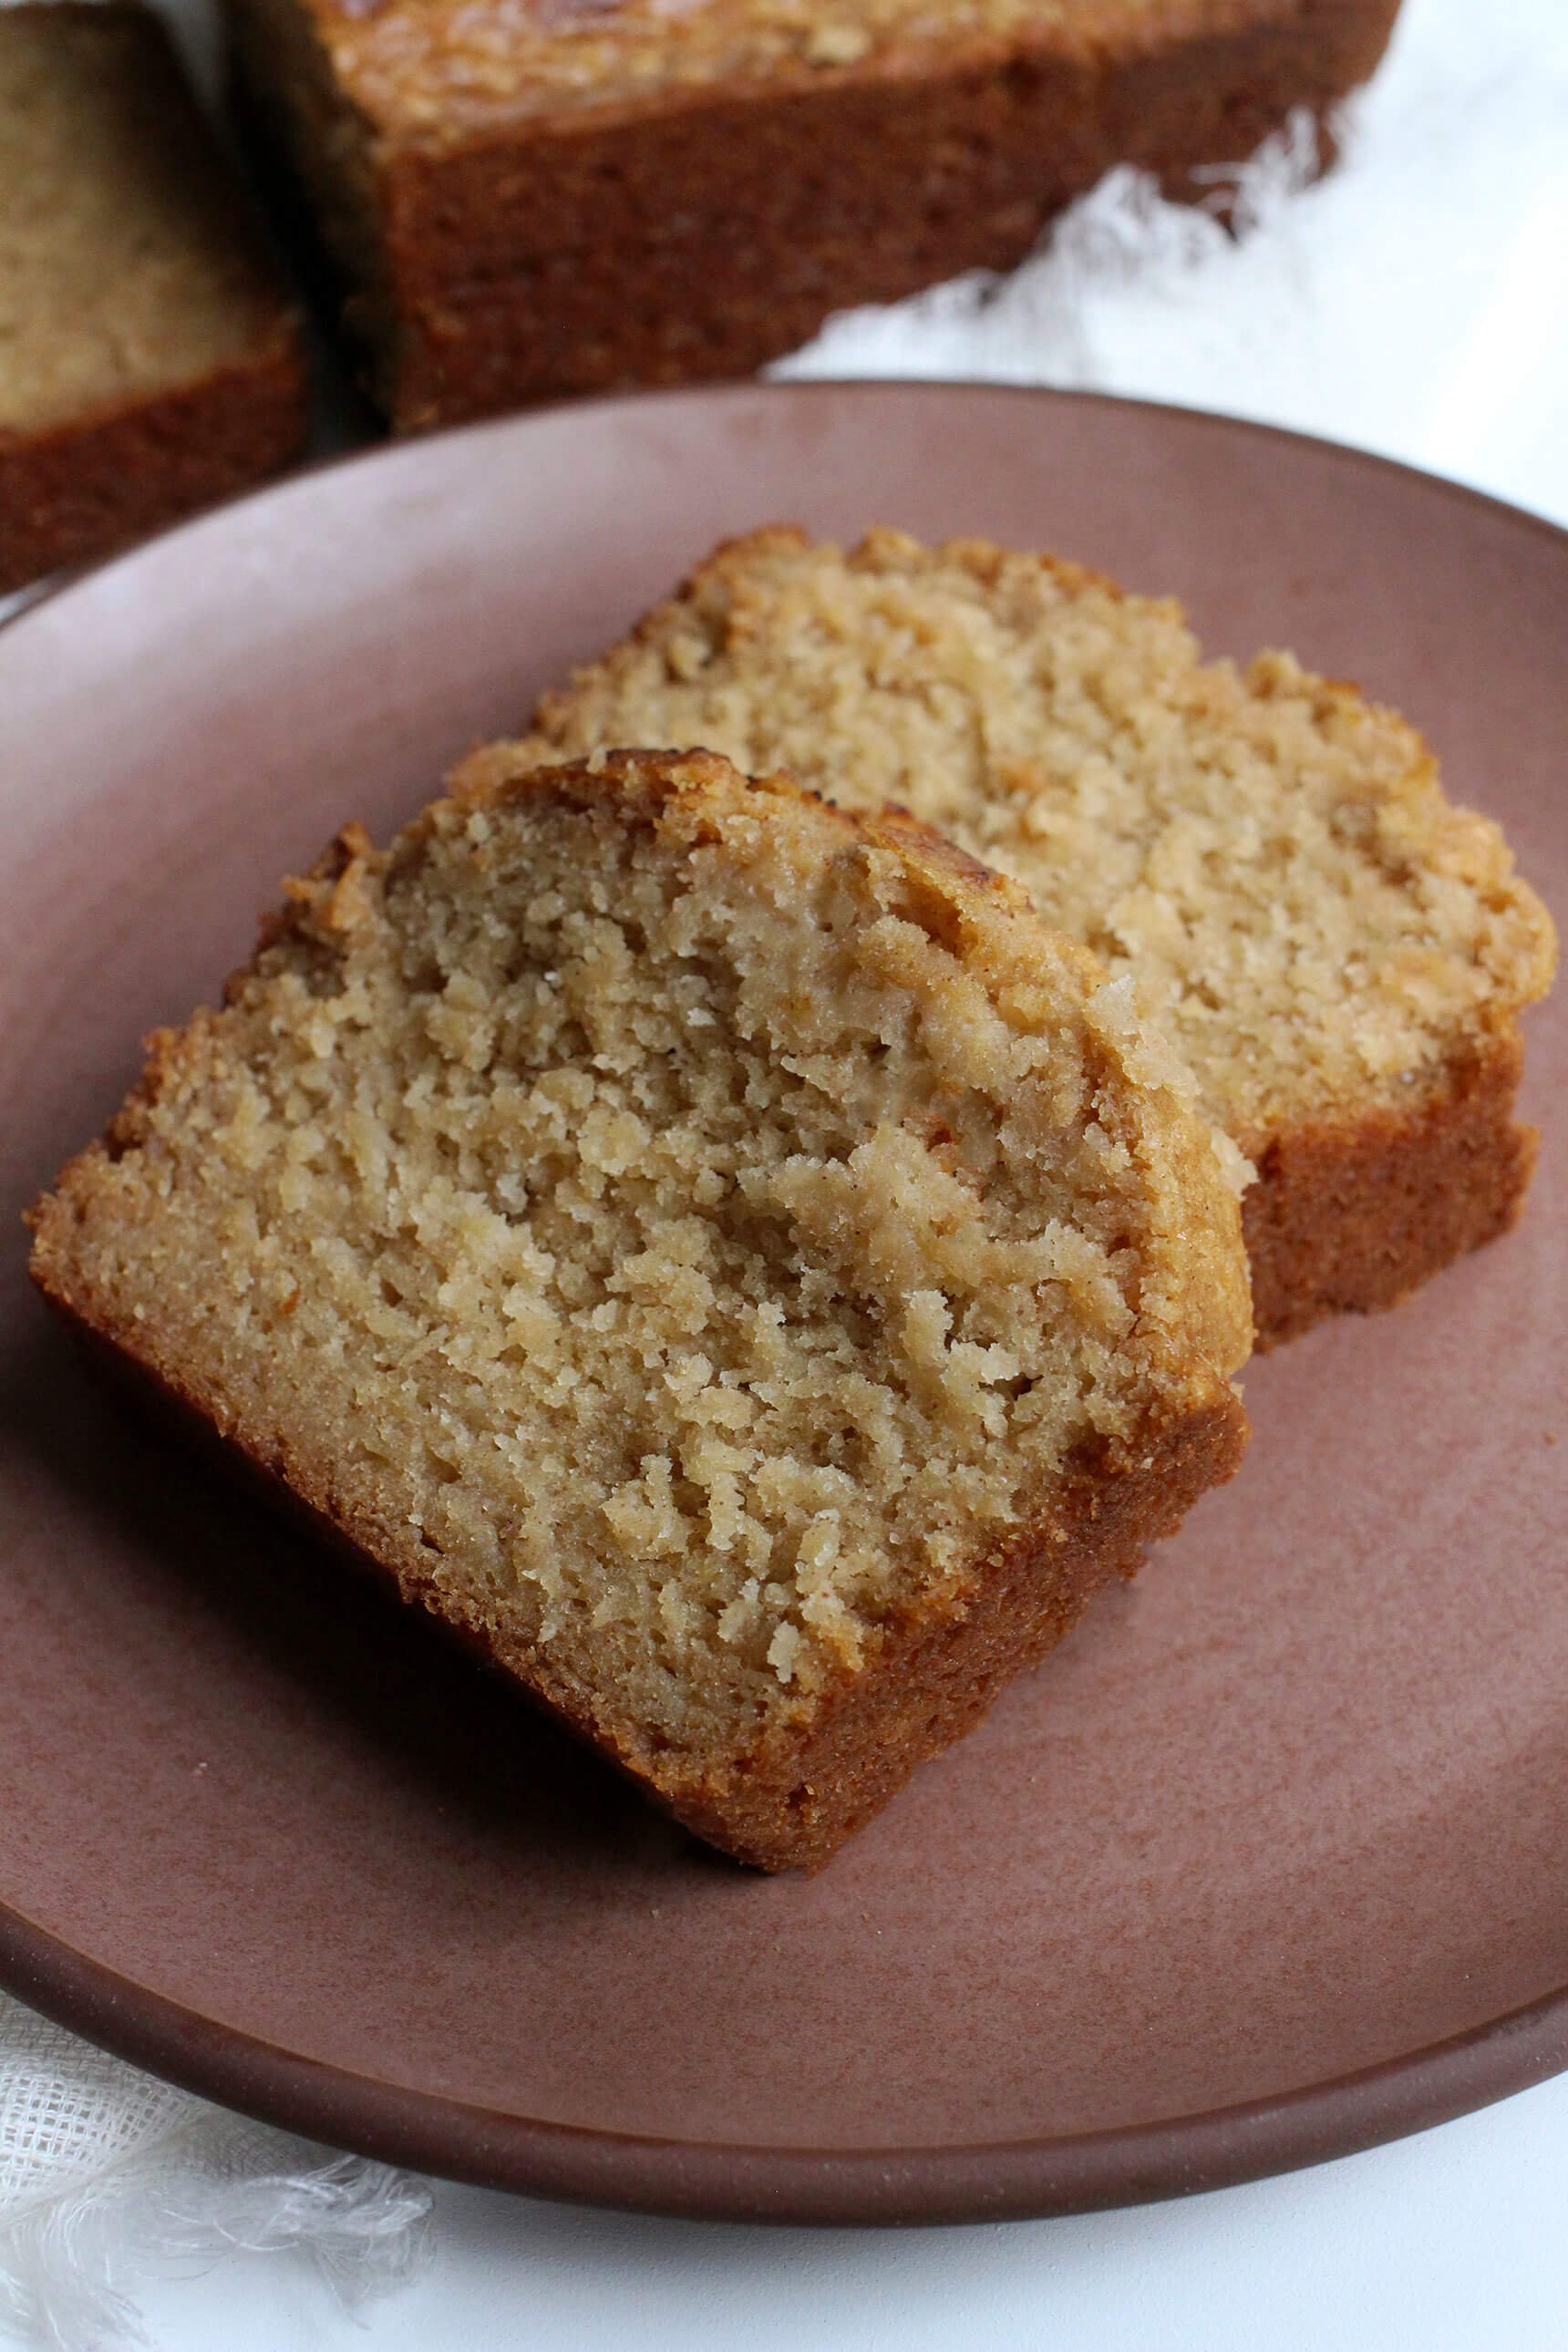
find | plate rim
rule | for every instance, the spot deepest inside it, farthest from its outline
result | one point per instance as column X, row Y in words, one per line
column 717, row 2180
column 390, row 449
column 724, row 2181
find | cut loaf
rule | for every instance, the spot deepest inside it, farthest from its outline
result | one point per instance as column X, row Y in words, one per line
column 729, row 1259
column 535, row 197
column 1340, row 954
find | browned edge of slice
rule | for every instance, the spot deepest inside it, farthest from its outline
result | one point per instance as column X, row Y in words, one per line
column 1352, row 1216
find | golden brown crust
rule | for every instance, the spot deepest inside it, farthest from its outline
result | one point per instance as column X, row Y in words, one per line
column 704, row 784
column 702, row 232
column 85, row 487
column 1352, row 1217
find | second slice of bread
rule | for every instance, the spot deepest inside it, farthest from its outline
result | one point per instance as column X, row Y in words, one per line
column 729, row 1260
column 1340, row 954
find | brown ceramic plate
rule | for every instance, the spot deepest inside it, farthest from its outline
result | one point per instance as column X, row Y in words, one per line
column 1267, row 1864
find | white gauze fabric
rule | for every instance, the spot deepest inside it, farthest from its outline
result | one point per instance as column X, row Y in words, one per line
column 108, row 2177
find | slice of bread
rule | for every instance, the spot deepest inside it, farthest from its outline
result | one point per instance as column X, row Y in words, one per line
column 730, row 1260
column 152, row 362
column 1340, row 954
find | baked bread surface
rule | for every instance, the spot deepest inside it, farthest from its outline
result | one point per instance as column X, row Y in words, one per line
column 731, row 1261
column 532, row 200
column 151, row 360
column 1340, row 953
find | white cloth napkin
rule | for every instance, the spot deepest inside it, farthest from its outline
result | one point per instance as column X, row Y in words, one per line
column 1415, row 302
column 108, row 2177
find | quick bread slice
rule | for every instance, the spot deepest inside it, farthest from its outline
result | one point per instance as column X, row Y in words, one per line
column 730, row 1259
column 151, row 360
column 1340, row 954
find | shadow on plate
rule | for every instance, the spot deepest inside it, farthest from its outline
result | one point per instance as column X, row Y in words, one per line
column 274, row 1620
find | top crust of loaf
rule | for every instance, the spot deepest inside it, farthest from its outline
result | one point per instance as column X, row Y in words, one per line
column 1272, row 856
column 683, row 1230
column 432, row 73
column 128, row 265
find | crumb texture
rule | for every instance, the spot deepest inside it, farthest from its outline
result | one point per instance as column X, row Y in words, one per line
column 126, row 265
column 1273, row 856
column 669, row 1222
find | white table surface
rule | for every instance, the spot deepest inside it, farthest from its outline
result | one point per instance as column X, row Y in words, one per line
column 1417, row 302
column 1455, row 2242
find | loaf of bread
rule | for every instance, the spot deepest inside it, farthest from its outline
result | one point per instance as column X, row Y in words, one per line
column 150, row 362
column 1341, row 955
column 532, row 199
column 731, row 1261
